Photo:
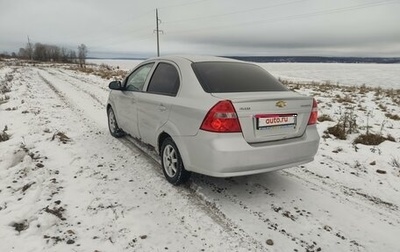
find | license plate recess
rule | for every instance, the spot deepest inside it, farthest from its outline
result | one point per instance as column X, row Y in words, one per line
column 272, row 121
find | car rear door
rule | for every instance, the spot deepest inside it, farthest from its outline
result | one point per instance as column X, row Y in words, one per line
column 155, row 103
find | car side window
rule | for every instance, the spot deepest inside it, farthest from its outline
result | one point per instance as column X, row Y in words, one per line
column 165, row 80
column 137, row 79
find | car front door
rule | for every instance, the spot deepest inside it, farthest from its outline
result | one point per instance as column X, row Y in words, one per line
column 127, row 102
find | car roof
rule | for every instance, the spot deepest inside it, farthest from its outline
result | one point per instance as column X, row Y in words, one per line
column 194, row 58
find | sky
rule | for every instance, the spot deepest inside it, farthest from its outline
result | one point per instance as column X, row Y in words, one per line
column 126, row 28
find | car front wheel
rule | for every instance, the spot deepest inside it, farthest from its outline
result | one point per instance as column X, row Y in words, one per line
column 171, row 161
column 113, row 125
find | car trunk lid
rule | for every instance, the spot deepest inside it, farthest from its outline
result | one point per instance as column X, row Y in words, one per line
column 270, row 116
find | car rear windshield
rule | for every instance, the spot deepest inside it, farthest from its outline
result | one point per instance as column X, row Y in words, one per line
column 227, row 77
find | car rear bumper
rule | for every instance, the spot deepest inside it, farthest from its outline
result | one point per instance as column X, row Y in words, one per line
column 228, row 155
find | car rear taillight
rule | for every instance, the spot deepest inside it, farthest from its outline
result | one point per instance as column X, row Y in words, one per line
column 314, row 113
column 221, row 118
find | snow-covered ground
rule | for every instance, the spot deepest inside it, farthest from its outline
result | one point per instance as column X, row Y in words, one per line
column 374, row 75
column 122, row 64
column 67, row 185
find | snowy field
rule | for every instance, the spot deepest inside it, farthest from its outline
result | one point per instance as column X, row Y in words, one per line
column 67, row 185
column 374, row 75
column 122, row 64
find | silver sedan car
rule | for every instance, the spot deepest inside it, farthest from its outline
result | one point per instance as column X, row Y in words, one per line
column 215, row 116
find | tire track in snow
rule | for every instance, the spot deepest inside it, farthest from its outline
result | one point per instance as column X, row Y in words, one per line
column 188, row 192
column 387, row 211
column 272, row 218
column 191, row 190
column 356, row 193
column 88, row 81
column 298, row 211
column 78, row 87
column 201, row 189
column 77, row 99
column 194, row 188
column 41, row 178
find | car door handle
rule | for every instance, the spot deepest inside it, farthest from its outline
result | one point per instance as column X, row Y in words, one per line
column 162, row 108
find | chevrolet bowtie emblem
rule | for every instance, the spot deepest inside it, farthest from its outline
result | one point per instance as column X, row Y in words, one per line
column 280, row 104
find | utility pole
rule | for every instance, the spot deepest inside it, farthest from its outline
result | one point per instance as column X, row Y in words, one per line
column 30, row 49
column 158, row 33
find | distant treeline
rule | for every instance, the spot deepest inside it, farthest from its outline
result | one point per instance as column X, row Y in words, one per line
column 45, row 52
column 315, row 59
column 50, row 53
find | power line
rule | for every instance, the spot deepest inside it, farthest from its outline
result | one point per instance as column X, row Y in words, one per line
column 291, row 17
column 184, row 4
column 233, row 13
column 104, row 42
column 113, row 40
column 135, row 18
column 84, row 34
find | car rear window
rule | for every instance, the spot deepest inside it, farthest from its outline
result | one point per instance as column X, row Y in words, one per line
column 227, row 77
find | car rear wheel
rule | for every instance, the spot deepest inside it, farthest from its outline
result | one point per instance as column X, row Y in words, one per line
column 171, row 161
column 113, row 125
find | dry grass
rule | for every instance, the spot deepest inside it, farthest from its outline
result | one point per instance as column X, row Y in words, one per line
column 338, row 131
column 326, row 87
column 346, row 95
column 324, row 118
column 395, row 162
column 4, row 99
column 316, row 86
column 61, row 137
column 392, row 116
column 3, row 135
column 372, row 139
column 4, row 88
column 345, row 99
column 347, row 124
column 104, row 71
column 364, row 89
column 382, row 107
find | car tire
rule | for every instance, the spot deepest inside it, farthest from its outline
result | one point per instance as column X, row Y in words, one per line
column 171, row 162
column 113, row 125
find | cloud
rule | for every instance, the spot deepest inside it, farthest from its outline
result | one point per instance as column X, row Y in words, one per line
column 222, row 27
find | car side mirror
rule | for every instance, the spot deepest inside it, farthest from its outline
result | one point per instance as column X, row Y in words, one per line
column 115, row 85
